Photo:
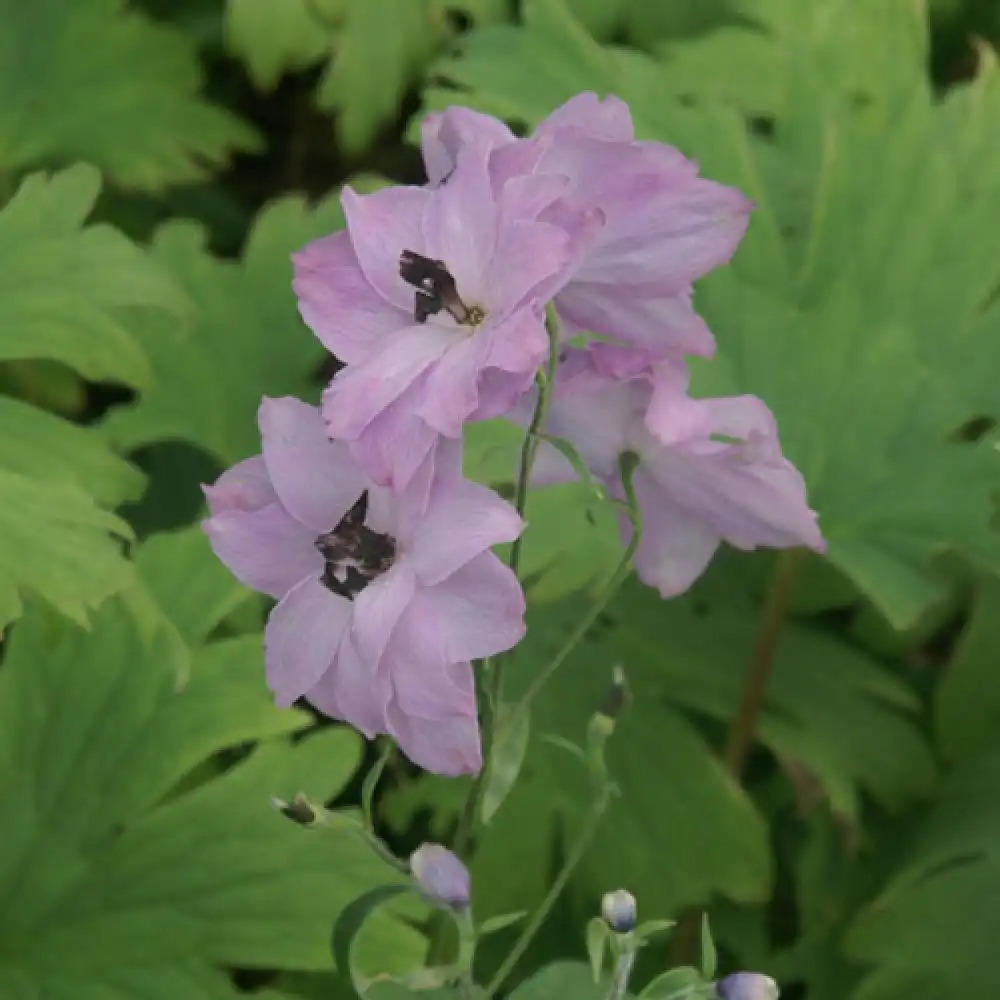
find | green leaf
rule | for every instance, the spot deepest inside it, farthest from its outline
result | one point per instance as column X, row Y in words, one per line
column 778, row 48
column 832, row 714
column 500, row 922
column 572, row 540
column 492, row 451
column 602, row 18
column 57, row 543
column 506, row 758
column 834, row 718
column 51, row 450
column 247, row 340
column 192, row 586
column 483, row 12
column 380, row 49
column 967, row 701
column 652, row 928
column 349, row 923
column 562, row 56
column 674, row 984
column 598, row 933
column 94, row 80
column 669, row 780
column 647, row 24
column 396, row 991
column 559, row 981
column 111, row 890
column 66, row 289
column 930, row 931
column 709, row 958
column 274, row 38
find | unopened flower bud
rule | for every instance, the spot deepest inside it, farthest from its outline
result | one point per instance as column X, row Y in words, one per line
column 441, row 878
column 617, row 695
column 619, row 910
column 300, row 810
column 747, row 986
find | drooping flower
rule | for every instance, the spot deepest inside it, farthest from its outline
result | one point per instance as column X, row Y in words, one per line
column 384, row 597
column 747, row 986
column 440, row 876
column 710, row 470
column 665, row 226
column 435, row 298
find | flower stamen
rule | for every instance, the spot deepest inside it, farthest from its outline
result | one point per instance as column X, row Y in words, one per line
column 354, row 554
column 436, row 290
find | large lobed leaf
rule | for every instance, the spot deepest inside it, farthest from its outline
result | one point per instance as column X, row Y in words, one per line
column 838, row 722
column 827, row 313
column 69, row 292
column 931, row 931
column 94, row 80
column 127, row 870
column 273, row 38
column 247, row 339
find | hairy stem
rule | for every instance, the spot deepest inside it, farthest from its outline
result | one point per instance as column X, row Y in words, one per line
column 744, row 725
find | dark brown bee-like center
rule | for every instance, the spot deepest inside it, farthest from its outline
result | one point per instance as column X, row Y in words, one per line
column 435, row 290
column 354, row 554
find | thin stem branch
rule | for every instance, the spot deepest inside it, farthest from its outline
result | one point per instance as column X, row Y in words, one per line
column 617, row 578
column 371, row 783
column 572, row 861
column 744, row 725
column 529, row 448
column 619, row 985
column 493, row 687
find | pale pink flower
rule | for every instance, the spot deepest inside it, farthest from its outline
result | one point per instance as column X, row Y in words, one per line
column 711, row 470
column 384, row 597
column 434, row 298
column 665, row 226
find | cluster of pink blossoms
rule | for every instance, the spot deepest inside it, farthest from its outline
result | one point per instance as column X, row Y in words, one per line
column 356, row 517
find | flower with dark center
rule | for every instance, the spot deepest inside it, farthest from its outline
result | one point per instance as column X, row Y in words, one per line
column 353, row 554
column 378, row 618
column 664, row 225
column 435, row 300
column 435, row 287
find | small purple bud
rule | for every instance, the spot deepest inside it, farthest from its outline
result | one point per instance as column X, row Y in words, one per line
column 441, row 878
column 747, row 986
column 619, row 910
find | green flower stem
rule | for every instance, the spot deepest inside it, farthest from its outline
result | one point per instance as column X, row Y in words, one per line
column 371, row 782
column 492, row 688
column 466, row 953
column 619, row 985
column 779, row 596
column 379, row 847
column 617, row 578
column 572, row 861
column 335, row 821
column 529, row 448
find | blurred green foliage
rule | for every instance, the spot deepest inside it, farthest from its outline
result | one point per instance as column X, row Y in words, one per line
column 139, row 749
